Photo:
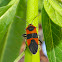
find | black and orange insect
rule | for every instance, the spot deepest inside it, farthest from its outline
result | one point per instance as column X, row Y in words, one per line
column 32, row 38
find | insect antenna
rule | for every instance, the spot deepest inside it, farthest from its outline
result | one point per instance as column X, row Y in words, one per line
column 34, row 18
column 21, row 19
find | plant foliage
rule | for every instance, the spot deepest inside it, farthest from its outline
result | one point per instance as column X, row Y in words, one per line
column 12, row 28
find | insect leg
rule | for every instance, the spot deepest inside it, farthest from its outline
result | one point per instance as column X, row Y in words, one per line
column 25, row 49
column 40, row 41
column 24, row 35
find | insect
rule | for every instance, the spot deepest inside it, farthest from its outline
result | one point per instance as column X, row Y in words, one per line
column 32, row 38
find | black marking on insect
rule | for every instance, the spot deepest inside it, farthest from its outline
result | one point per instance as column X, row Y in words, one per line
column 33, row 46
column 30, row 28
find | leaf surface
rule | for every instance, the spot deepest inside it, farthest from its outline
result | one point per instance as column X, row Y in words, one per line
column 53, row 38
column 11, row 30
column 54, row 11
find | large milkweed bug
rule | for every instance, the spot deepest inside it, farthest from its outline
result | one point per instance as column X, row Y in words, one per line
column 32, row 38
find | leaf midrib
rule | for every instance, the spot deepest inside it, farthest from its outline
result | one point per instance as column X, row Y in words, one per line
column 5, row 10
column 5, row 43
column 52, row 40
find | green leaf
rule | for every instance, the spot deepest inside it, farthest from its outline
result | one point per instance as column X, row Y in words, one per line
column 4, row 2
column 52, row 37
column 12, row 40
column 7, row 18
column 3, row 10
column 54, row 10
column 11, row 31
column 56, row 5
